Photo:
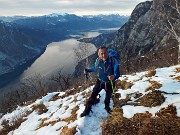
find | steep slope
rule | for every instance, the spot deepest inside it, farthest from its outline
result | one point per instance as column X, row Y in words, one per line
column 148, row 29
column 140, row 99
column 17, row 49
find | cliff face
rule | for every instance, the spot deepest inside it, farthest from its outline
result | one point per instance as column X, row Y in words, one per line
column 149, row 29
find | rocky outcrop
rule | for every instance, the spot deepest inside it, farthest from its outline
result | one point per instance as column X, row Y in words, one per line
column 148, row 29
column 151, row 39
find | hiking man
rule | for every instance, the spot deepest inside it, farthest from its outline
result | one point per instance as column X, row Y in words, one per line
column 106, row 66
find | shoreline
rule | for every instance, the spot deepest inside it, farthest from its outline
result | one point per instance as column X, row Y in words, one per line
column 6, row 78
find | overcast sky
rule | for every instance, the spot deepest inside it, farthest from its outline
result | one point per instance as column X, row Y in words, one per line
column 78, row 7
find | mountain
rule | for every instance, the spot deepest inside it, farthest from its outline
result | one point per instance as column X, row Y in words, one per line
column 16, row 49
column 23, row 39
column 144, row 103
column 150, row 37
column 11, row 18
column 148, row 30
column 63, row 25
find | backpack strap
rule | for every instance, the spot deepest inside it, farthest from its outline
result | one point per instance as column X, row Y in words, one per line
column 98, row 61
column 112, row 63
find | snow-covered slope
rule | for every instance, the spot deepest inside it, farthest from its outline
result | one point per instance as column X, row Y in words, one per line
column 59, row 112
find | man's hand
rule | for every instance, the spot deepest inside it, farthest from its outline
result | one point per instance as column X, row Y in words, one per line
column 85, row 71
column 111, row 77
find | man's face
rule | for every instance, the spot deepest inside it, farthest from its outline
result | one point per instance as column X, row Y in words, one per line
column 103, row 54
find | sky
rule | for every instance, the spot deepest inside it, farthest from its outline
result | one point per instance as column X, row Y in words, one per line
column 78, row 7
column 61, row 109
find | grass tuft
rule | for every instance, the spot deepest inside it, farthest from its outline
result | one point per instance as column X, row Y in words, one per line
column 124, row 85
column 151, row 73
column 152, row 99
column 154, row 85
column 41, row 108
column 68, row 131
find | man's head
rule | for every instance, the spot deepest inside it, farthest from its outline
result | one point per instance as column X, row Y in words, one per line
column 103, row 53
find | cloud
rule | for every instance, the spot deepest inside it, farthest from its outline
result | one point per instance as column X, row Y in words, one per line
column 81, row 7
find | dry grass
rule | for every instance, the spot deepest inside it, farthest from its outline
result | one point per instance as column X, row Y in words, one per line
column 117, row 95
column 43, row 123
column 119, row 102
column 72, row 91
column 154, row 98
column 73, row 116
column 7, row 127
column 40, row 108
column 168, row 112
column 77, row 89
column 10, row 127
column 55, row 97
column 140, row 124
column 68, row 131
column 177, row 78
column 150, row 73
column 117, row 124
column 178, row 70
column 160, row 126
column 65, row 130
column 154, row 85
column 124, row 85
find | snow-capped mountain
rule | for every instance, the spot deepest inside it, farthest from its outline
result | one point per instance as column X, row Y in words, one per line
column 71, row 22
column 143, row 103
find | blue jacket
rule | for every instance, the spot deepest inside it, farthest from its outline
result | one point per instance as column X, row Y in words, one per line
column 104, row 68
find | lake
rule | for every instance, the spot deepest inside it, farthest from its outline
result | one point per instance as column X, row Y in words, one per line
column 57, row 55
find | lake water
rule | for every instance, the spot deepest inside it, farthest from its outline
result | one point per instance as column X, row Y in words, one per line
column 57, row 55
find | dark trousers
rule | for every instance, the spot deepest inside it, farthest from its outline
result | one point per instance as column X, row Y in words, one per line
column 97, row 88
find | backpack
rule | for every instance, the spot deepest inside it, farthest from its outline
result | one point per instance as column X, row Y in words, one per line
column 113, row 54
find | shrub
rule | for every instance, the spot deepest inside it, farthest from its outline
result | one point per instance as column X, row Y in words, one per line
column 154, row 98
column 154, row 85
column 124, row 85
column 41, row 108
column 7, row 126
column 150, row 73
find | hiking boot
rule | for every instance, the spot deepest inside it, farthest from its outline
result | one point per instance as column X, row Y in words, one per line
column 86, row 110
column 84, row 114
column 108, row 109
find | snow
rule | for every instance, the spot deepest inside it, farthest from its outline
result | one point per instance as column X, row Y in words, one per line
column 62, row 108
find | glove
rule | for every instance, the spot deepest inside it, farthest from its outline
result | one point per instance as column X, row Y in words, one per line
column 85, row 71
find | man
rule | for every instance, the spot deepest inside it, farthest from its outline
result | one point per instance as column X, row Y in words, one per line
column 106, row 66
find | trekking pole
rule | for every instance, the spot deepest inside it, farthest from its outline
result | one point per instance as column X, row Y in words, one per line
column 112, row 86
column 86, row 78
